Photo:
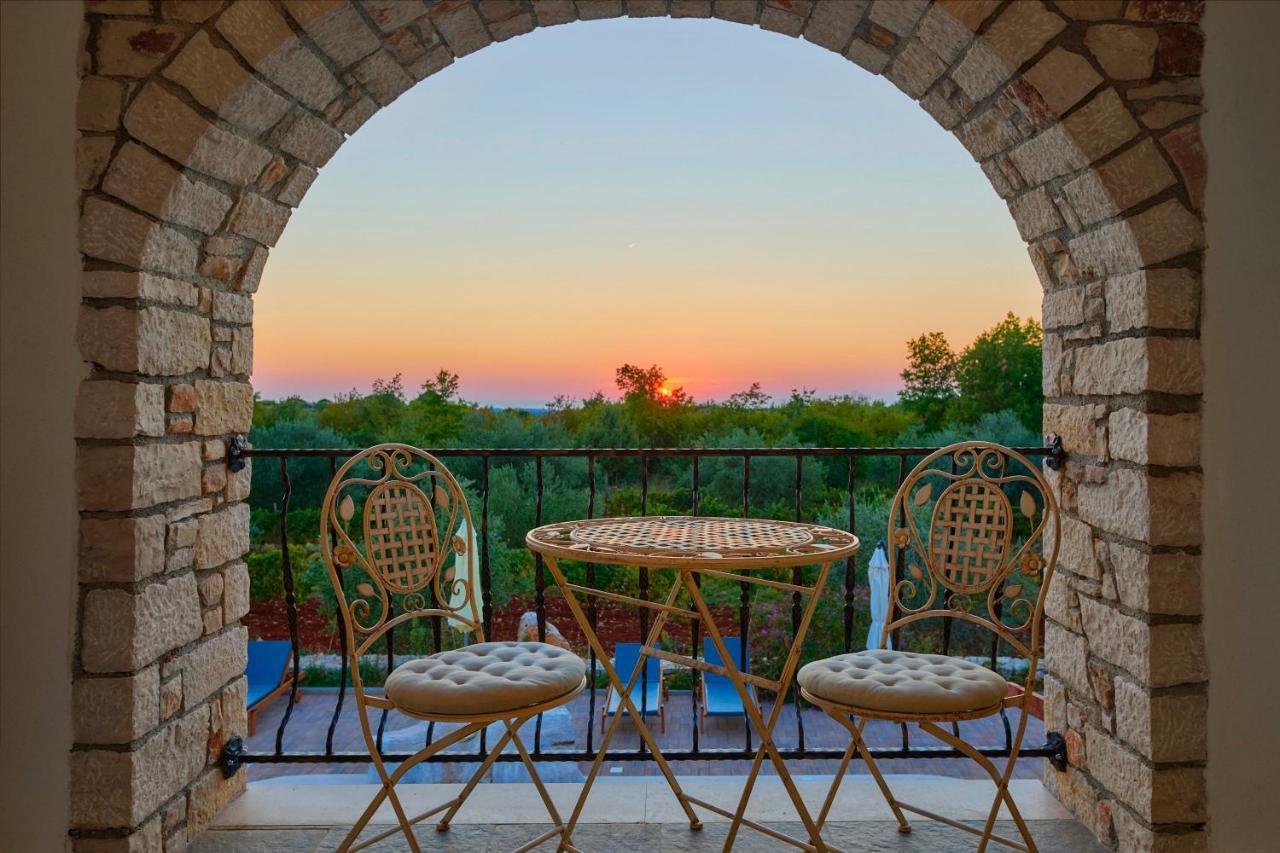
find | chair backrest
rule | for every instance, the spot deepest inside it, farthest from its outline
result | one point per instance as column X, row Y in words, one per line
column 625, row 658
column 974, row 535
column 388, row 527
column 733, row 645
column 266, row 661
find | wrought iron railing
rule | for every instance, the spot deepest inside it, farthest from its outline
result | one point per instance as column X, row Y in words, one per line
column 899, row 458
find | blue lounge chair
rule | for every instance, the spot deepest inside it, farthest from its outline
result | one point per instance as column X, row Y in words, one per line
column 648, row 686
column 267, row 673
column 719, row 697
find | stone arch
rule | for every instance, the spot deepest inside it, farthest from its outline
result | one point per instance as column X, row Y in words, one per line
column 203, row 124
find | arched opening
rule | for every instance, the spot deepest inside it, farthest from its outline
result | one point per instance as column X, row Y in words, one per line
column 190, row 175
column 703, row 215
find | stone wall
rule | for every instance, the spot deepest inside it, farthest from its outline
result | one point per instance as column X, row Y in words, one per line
column 203, row 124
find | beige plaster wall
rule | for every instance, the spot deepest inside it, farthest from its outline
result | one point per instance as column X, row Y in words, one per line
column 39, row 280
column 1242, row 422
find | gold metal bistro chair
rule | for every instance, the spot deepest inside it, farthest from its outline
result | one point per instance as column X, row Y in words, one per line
column 400, row 560
column 975, row 537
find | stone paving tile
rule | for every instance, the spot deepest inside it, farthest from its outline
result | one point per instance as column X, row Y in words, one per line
column 1051, row 836
column 259, row 841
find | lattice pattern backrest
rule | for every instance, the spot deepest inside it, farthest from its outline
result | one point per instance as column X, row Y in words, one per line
column 406, row 550
column 972, row 538
column 400, row 535
column 969, row 534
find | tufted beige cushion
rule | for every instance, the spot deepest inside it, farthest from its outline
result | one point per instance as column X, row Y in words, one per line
column 903, row 682
column 484, row 678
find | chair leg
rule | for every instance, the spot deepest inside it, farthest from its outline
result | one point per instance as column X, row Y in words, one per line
column 387, row 790
column 855, row 731
column 1001, row 780
column 443, row 825
column 835, row 784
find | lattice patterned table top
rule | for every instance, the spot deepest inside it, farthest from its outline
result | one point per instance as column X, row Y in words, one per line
column 684, row 540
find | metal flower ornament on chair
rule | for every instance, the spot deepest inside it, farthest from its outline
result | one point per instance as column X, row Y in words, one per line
column 971, row 540
column 396, row 561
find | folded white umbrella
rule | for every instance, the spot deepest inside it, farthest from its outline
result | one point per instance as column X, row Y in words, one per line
column 465, row 567
column 878, row 573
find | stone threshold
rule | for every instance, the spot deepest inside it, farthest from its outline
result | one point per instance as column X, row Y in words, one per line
column 274, row 804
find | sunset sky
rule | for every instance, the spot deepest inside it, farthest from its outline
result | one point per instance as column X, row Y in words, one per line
column 734, row 205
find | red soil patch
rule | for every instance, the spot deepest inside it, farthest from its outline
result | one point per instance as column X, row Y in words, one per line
column 317, row 632
column 614, row 622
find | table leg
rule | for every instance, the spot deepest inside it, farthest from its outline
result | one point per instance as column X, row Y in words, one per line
column 655, row 632
column 764, row 728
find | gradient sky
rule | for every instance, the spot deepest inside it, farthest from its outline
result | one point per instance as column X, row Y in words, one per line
column 734, row 205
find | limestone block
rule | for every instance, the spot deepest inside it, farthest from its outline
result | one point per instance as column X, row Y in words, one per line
column 337, row 29
column 1151, row 439
column 1134, row 836
column 314, row 142
column 1125, row 52
column 1163, row 727
column 123, row 631
column 236, row 593
column 209, row 795
column 121, row 284
column 118, row 709
column 553, row 12
column 969, row 13
column 1122, row 182
column 262, row 36
column 1079, row 427
column 239, row 483
column 216, row 79
column 192, row 11
column 128, row 48
column 916, row 69
column 223, row 407
column 462, row 29
column 208, row 667
column 232, row 307
column 120, row 789
column 223, row 536
column 1187, row 150
column 1066, row 655
column 1137, row 365
column 1062, row 79
column 1155, row 655
column 163, row 122
column 259, row 219
column 831, row 25
column 1035, row 214
column 110, row 409
column 871, row 58
column 114, row 478
column 942, row 33
column 1156, row 583
column 1160, row 510
column 149, row 183
column 1167, row 795
column 121, row 549
column 1047, row 156
column 780, row 20
column 114, row 233
column 99, row 103
column 1157, row 299
column 987, row 133
column 898, row 16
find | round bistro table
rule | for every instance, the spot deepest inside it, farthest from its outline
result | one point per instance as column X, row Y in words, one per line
column 733, row 549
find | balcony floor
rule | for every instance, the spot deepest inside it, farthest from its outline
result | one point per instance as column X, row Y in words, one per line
column 637, row 814
column 1052, row 836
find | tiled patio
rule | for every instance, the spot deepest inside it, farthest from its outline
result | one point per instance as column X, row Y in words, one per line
column 1052, row 836
column 634, row 814
column 566, row 729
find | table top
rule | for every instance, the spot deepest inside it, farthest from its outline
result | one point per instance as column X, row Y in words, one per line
column 687, row 541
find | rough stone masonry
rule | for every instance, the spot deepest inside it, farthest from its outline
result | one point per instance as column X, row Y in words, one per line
column 202, row 124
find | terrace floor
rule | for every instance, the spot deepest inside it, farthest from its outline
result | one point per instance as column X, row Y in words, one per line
column 635, row 815
column 566, row 728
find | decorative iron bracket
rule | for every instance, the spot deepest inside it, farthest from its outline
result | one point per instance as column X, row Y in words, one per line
column 1056, row 455
column 232, row 757
column 1057, row 746
column 235, row 453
